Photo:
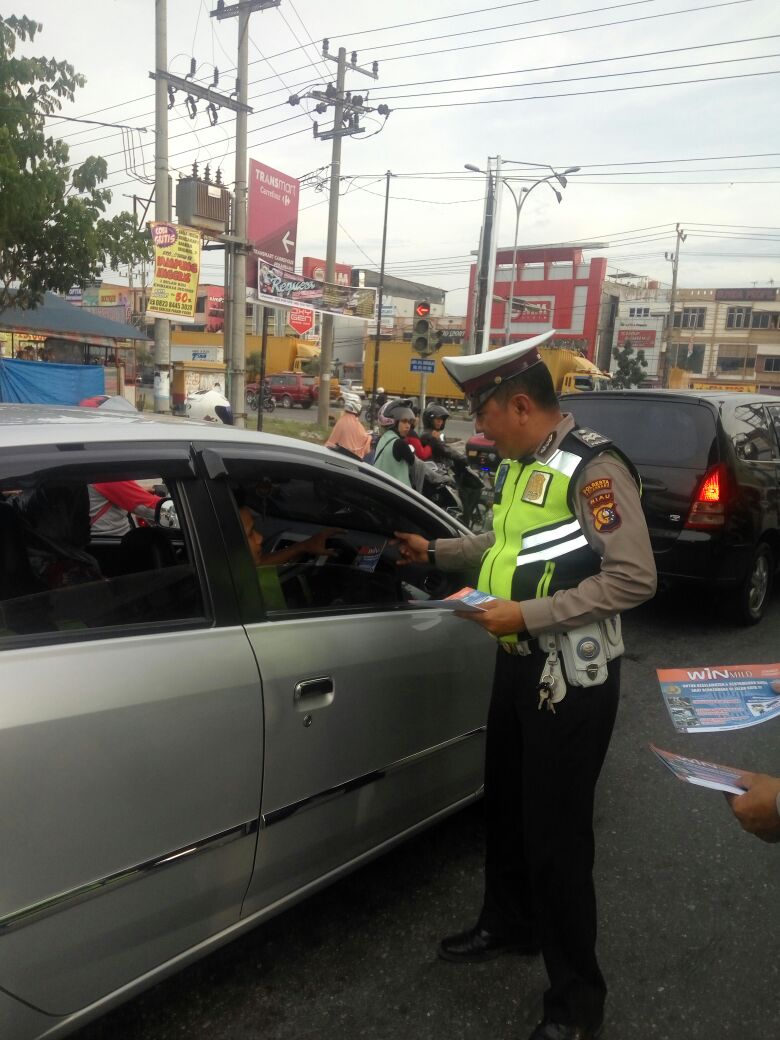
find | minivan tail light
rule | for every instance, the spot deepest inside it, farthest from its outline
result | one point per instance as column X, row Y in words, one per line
column 708, row 509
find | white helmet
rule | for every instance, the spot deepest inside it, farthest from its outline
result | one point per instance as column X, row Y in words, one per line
column 352, row 403
column 210, row 405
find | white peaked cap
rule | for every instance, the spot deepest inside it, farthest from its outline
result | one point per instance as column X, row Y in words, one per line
column 480, row 375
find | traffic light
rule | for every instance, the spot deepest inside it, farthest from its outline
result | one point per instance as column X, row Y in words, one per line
column 422, row 330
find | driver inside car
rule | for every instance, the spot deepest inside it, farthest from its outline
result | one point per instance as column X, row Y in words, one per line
column 268, row 564
column 314, row 546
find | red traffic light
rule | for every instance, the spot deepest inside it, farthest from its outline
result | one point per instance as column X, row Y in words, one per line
column 422, row 309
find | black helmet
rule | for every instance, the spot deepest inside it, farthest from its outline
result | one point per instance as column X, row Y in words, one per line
column 434, row 411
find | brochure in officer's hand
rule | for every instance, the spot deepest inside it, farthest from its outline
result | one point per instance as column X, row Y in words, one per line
column 466, row 599
column 705, row 774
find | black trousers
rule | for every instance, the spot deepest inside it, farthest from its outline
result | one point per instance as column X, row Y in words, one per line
column 540, row 776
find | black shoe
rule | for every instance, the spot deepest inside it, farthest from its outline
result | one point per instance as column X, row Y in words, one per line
column 547, row 1030
column 479, row 945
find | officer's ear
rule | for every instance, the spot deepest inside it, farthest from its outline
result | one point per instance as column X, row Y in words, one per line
column 520, row 405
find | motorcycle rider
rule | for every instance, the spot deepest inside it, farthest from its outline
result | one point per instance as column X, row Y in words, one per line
column 393, row 455
column 349, row 436
column 434, row 420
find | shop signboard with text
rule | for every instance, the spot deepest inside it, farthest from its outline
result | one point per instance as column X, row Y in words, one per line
column 313, row 267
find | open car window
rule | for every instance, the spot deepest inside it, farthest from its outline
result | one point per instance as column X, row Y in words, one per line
column 287, row 504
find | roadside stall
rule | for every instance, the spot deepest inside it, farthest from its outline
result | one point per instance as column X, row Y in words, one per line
column 62, row 336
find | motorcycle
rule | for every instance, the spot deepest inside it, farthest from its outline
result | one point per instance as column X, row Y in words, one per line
column 460, row 491
column 268, row 400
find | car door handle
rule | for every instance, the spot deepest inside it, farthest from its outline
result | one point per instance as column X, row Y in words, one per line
column 310, row 694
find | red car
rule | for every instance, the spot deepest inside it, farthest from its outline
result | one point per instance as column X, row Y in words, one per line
column 291, row 388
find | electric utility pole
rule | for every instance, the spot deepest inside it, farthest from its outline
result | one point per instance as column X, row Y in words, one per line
column 674, row 259
column 162, row 201
column 237, row 374
column 347, row 109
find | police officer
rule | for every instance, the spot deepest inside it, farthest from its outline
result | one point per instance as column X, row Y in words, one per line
column 568, row 551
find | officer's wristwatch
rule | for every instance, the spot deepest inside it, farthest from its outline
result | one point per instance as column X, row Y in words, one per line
column 432, row 553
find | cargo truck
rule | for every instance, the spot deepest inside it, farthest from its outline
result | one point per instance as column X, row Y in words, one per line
column 571, row 372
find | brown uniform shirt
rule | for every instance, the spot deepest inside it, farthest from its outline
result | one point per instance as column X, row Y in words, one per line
column 627, row 576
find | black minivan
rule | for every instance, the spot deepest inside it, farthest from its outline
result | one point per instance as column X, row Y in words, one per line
column 710, row 468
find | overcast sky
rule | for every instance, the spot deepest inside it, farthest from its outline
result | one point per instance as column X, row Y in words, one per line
column 698, row 153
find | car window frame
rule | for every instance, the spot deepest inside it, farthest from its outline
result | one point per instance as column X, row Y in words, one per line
column 79, row 462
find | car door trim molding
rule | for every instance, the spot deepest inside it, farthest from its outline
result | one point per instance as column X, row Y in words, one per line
column 65, row 900
column 284, row 812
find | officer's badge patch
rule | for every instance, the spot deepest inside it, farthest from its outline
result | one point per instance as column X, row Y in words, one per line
column 602, row 484
column 536, row 488
column 606, row 517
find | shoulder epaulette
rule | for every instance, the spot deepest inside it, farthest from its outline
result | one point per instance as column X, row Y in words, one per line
column 590, row 438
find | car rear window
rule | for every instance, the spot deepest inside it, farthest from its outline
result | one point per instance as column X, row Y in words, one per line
column 651, row 432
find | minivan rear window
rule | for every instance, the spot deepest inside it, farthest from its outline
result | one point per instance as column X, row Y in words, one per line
column 651, row 432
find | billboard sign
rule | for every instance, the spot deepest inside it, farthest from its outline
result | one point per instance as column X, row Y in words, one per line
column 176, row 272
column 272, row 219
column 281, row 289
column 640, row 339
column 313, row 267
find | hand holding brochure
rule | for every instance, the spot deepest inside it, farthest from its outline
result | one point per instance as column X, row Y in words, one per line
column 465, row 599
column 705, row 774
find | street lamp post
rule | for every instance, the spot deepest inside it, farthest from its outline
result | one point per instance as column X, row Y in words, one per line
column 519, row 202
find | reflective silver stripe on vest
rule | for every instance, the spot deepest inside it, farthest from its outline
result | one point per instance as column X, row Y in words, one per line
column 544, row 537
column 563, row 462
column 551, row 552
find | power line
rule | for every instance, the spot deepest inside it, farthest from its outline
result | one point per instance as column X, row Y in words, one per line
column 577, row 64
column 561, row 32
column 578, row 79
column 513, row 25
column 586, row 93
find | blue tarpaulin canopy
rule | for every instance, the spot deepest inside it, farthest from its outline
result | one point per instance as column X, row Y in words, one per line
column 32, row 382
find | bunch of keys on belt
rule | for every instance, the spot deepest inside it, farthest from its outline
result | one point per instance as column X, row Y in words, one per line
column 552, row 685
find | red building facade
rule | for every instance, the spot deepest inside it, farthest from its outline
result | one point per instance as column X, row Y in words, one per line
column 550, row 288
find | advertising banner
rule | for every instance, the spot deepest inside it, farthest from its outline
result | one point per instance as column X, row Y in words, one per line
column 176, row 272
column 281, row 289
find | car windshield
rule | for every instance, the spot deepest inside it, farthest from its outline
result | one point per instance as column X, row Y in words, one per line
column 651, row 432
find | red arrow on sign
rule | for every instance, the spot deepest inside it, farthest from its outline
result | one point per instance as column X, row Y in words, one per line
column 301, row 319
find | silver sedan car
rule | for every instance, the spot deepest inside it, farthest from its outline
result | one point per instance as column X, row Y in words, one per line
column 205, row 718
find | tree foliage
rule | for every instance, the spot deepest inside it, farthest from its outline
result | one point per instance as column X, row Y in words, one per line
column 52, row 230
column 630, row 369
